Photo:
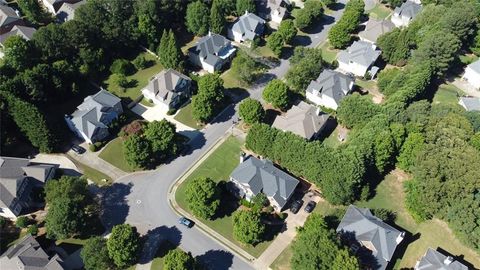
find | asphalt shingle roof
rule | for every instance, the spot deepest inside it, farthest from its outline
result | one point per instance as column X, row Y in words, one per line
column 262, row 176
column 434, row 260
column 249, row 25
column 165, row 83
column 7, row 15
column 360, row 52
column 408, row 9
column 475, row 66
column 332, row 84
column 376, row 28
column 471, row 103
column 18, row 30
column 209, row 46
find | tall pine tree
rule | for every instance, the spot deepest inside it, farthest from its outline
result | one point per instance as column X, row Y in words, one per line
column 169, row 53
column 217, row 18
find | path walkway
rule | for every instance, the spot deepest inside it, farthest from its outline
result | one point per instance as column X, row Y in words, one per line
column 92, row 159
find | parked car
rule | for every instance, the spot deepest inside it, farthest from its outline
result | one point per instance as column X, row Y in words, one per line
column 185, row 221
column 78, row 149
column 310, row 206
column 296, row 205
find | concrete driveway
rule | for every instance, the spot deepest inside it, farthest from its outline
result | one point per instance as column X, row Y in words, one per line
column 158, row 113
column 65, row 164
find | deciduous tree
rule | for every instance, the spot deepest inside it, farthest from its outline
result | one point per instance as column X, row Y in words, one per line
column 197, row 19
column 94, row 254
column 245, row 5
column 203, row 197
column 251, row 111
column 276, row 93
column 178, row 260
column 217, row 18
column 123, row 245
column 138, row 151
column 247, row 227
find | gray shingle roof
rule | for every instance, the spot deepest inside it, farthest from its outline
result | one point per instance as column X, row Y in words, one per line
column 408, row 9
column 434, row 260
column 376, row 28
column 18, row 30
column 265, row 7
column 249, row 25
column 475, row 66
column 29, row 255
column 303, row 119
column 166, row 83
column 92, row 113
column 372, row 232
column 263, row 176
column 7, row 15
column 471, row 103
column 67, row 10
column 360, row 52
column 209, row 46
column 332, row 84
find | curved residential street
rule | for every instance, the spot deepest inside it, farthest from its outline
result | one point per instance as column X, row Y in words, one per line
column 141, row 199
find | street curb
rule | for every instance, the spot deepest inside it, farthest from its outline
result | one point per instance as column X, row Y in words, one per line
column 204, row 228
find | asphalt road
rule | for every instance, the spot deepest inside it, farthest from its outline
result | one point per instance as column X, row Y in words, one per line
column 142, row 199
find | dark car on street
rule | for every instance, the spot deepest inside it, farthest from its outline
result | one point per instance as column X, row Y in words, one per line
column 310, row 206
column 296, row 205
column 185, row 221
column 78, row 149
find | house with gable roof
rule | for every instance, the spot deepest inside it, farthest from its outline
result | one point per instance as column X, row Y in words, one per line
column 168, row 88
column 91, row 119
column 472, row 74
column 246, row 28
column 25, row 32
column 404, row 14
column 253, row 176
column 27, row 254
column 303, row 119
column 375, row 28
column 329, row 88
column 435, row 260
column 8, row 19
column 211, row 52
column 18, row 178
column 470, row 103
column 67, row 11
column 358, row 58
column 273, row 10
column 371, row 240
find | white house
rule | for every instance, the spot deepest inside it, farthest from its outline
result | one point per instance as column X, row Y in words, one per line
column 404, row 14
column 329, row 88
column 168, row 89
column 273, row 10
column 358, row 58
column 211, row 52
column 246, row 28
column 433, row 259
column 472, row 74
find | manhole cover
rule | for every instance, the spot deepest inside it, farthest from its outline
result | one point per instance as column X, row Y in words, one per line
column 139, row 201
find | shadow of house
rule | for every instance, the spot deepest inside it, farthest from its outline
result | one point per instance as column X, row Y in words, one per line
column 113, row 201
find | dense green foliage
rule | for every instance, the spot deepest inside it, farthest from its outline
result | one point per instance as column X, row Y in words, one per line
column 217, row 18
column 169, row 53
column 123, row 245
column 287, row 30
column 138, row 152
column 122, row 67
column 197, row 19
column 275, row 42
column 244, row 67
column 356, row 110
column 94, row 254
column 251, row 111
column 340, row 34
column 317, row 247
column 392, row 3
column 276, row 93
column 310, row 13
column 208, row 99
column 248, row 227
column 306, row 66
column 22, row 222
column 178, row 260
column 34, row 11
column 203, row 197
column 245, row 5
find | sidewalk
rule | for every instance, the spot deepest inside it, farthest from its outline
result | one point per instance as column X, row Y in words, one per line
column 204, row 228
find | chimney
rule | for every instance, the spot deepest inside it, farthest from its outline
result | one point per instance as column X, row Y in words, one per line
column 209, row 33
column 400, row 237
column 242, row 157
column 318, row 111
column 448, row 260
column 246, row 11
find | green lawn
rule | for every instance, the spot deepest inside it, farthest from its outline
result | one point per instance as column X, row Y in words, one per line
column 139, row 80
column 364, row 84
column 329, row 54
column 92, row 174
column 113, row 154
column 283, row 260
column 264, row 51
column 332, row 140
column 218, row 166
column 447, row 94
column 229, row 80
column 184, row 116
column 379, row 12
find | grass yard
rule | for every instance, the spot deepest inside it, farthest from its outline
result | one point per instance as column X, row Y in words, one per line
column 329, row 55
column 379, row 12
column 139, row 80
column 332, row 140
column 218, row 166
column 283, row 260
column 367, row 85
column 184, row 116
column 113, row 154
column 92, row 174
column 229, row 80
column 447, row 94
column 189, row 44
column 264, row 51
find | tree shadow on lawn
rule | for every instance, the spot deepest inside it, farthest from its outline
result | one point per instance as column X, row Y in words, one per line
column 337, row 6
column 216, row 259
column 229, row 203
column 154, row 241
column 113, row 201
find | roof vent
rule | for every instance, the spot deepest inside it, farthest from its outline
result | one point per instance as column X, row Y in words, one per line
column 448, row 260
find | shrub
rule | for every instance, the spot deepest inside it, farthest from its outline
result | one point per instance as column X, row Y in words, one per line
column 140, row 62
column 22, row 222
column 251, row 111
column 385, row 214
column 171, row 111
column 93, row 147
column 32, row 229
column 122, row 81
column 122, row 66
column 134, row 128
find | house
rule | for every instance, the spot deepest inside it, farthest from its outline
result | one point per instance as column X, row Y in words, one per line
column 404, row 14
column 211, row 52
column 67, row 10
column 246, row 28
column 253, row 176
column 470, row 103
column 375, row 28
column 358, row 58
column 52, row 5
column 273, row 10
column 329, row 88
column 18, row 179
column 29, row 255
column 18, row 30
column 91, row 119
column 305, row 120
column 8, row 19
column 168, row 89
column 472, row 74
column 371, row 239
column 434, row 260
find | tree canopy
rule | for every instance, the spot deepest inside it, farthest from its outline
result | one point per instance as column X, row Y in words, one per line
column 203, row 197
column 95, row 254
column 208, row 99
column 276, row 93
column 123, row 245
column 251, row 111
column 178, row 260
column 197, row 19
column 248, row 227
